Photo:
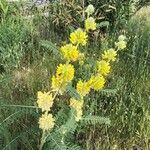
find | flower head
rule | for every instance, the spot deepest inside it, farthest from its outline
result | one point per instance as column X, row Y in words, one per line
column 83, row 88
column 97, row 82
column 65, row 72
column 46, row 121
column 70, row 52
column 90, row 9
column 58, row 85
column 77, row 105
column 45, row 100
column 90, row 24
column 78, row 115
column 103, row 67
column 121, row 38
column 109, row 55
column 78, row 37
column 121, row 44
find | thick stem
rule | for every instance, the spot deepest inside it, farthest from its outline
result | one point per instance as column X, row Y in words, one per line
column 43, row 140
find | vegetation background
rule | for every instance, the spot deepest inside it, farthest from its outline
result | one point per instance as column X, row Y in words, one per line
column 30, row 36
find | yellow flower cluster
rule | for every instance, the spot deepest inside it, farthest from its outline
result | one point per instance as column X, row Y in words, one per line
column 77, row 105
column 44, row 100
column 90, row 9
column 64, row 74
column 78, row 37
column 46, row 121
column 109, row 55
column 122, row 38
column 90, row 24
column 70, row 52
column 83, row 88
column 121, row 44
column 97, row 82
column 103, row 67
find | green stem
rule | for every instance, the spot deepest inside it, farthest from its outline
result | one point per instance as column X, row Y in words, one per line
column 83, row 9
column 43, row 140
column 55, row 94
column 24, row 106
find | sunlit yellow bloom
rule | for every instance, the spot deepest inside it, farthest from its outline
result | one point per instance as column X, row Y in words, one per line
column 83, row 88
column 109, row 55
column 103, row 67
column 46, row 121
column 65, row 72
column 90, row 24
column 97, row 82
column 78, row 115
column 78, row 37
column 121, row 44
column 90, row 9
column 44, row 100
column 121, row 38
column 58, row 85
column 77, row 105
column 70, row 52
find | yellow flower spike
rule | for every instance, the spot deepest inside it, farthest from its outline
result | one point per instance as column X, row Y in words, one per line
column 78, row 37
column 109, row 55
column 70, row 52
column 44, row 100
column 121, row 44
column 46, row 122
column 65, row 72
column 103, row 67
column 90, row 24
column 83, row 88
column 79, row 114
column 57, row 85
column 97, row 82
column 77, row 105
column 90, row 9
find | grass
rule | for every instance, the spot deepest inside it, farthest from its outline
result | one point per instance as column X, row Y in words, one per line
column 29, row 56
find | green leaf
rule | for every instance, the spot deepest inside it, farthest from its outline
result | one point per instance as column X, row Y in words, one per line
column 103, row 24
column 72, row 91
column 109, row 92
column 73, row 147
column 95, row 120
column 50, row 46
column 4, row 7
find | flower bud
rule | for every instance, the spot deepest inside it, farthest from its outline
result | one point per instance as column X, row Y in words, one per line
column 90, row 9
